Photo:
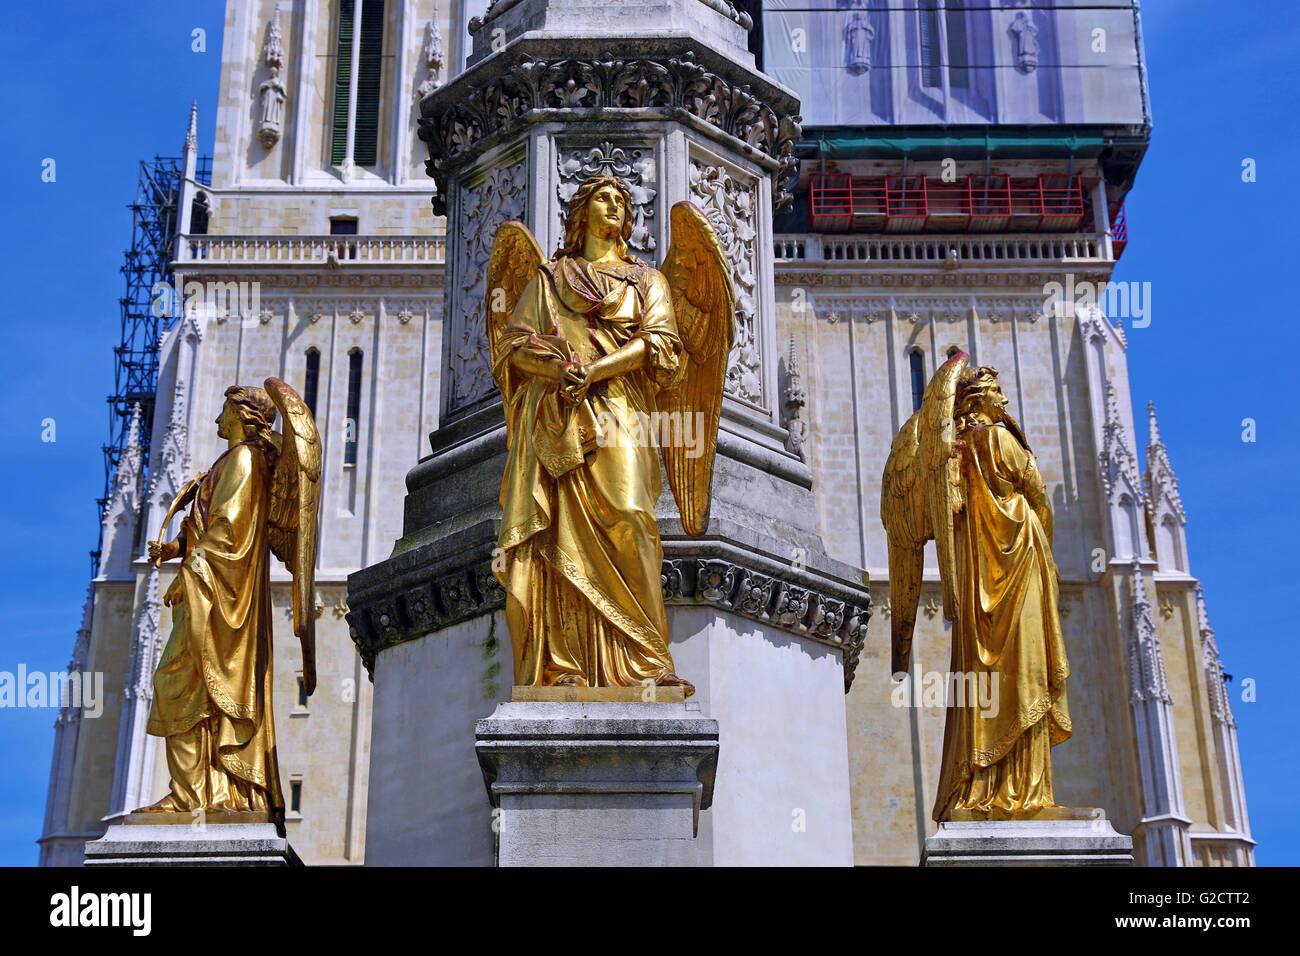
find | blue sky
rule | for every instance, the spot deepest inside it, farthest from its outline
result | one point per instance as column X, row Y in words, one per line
column 98, row 87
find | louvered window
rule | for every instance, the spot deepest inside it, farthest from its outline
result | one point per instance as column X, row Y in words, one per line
column 931, row 57
column 368, row 57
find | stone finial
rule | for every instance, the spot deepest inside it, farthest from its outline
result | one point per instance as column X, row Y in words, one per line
column 434, row 59
column 192, row 134
column 1160, row 481
column 273, row 51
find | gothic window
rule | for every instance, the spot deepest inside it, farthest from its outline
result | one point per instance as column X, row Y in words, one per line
column 916, row 362
column 351, row 424
column 931, row 55
column 354, row 132
column 311, row 384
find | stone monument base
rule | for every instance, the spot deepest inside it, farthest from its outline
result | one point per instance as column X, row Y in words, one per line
column 598, row 782
column 1059, row 836
column 224, row 838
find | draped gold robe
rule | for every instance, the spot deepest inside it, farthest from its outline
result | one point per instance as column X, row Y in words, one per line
column 212, row 689
column 582, row 555
column 1007, row 625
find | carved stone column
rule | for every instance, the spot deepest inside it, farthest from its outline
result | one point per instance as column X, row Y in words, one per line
column 664, row 94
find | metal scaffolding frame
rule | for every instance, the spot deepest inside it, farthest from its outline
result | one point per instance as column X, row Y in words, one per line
column 155, row 219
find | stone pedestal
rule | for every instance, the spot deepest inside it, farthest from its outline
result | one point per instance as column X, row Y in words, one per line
column 1075, row 838
column 598, row 783
column 179, row 841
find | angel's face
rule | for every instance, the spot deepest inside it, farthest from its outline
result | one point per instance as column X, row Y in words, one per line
column 605, row 212
column 229, row 424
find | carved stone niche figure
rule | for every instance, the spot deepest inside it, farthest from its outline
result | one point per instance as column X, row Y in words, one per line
column 1025, row 35
column 858, row 34
column 271, row 92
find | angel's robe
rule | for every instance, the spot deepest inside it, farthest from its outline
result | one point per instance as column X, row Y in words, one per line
column 212, row 688
column 581, row 551
column 1007, row 635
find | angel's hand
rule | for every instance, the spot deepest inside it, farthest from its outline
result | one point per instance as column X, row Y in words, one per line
column 175, row 593
column 576, row 379
column 160, row 551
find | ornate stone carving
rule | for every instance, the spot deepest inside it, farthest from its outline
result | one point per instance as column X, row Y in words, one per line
column 1160, row 481
column 1024, row 35
column 457, row 594
column 635, row 165
column 1119, row 471
column 271, row 92
column 147, row 645
column 858, row 34
column 433, row 57
column 1147, row 679
column 931, row 606
column 614, row 81
column 1220, row 707
column 729, row 203
column 483, row 207
column 793, row 401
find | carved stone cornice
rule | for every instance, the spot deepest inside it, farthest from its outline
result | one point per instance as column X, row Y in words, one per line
column 596, row 79
column 419, row 599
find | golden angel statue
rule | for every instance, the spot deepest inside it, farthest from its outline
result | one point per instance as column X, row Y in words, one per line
column 961, row 473
column 598, row 358
column 212, row 688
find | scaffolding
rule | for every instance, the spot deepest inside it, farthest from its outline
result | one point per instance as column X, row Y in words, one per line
column 155, row 219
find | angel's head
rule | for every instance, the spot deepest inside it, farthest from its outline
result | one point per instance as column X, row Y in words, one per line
column 603, row 206
column 248, row 411
column 979, row 396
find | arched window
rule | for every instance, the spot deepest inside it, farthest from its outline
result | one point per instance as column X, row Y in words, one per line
column 352, row 424
column 917, row 362
column 362, row 149
column 311, row 384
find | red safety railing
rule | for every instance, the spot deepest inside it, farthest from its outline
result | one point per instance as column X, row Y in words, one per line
column 987, row 203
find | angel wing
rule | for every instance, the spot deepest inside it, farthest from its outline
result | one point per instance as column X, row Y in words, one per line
column 514, row 261
column 699, row 278
column 295, row 508
column 920, row 492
